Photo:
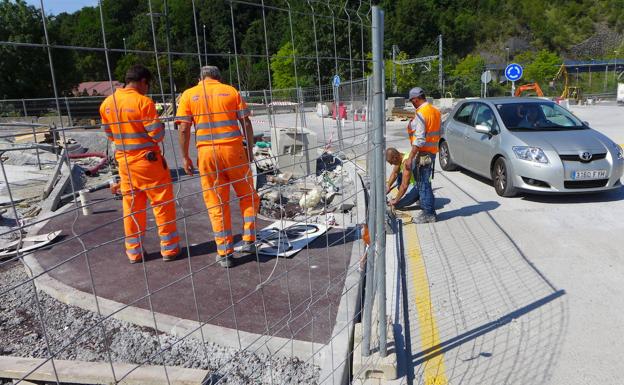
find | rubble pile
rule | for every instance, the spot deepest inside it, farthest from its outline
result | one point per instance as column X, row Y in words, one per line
column 312, row 198
column 39, row 178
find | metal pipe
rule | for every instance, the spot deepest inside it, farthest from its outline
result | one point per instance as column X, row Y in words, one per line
column 169, row 61
column 440, row 69
column 380, row 197
column 36, row 147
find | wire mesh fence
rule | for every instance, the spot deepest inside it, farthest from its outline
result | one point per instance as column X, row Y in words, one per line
column 121, row 262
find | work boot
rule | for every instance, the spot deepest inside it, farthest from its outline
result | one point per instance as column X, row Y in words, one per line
column 139, row 259
column 171, row 257
column 249, row 247
column 424, row 218
column 226, row 260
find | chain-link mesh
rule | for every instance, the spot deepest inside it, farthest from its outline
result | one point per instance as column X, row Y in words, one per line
column 80, row 204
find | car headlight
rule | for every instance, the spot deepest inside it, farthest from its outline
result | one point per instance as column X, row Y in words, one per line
column 532, row 154
column 619, row 152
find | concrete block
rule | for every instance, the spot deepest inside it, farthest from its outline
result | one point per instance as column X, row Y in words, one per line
column 374, row 366
column 394, row 102
column 49, row 120
column 51, row 203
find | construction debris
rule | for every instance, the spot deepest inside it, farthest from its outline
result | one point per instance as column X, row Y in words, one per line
column 309, row 198
column 26, row 244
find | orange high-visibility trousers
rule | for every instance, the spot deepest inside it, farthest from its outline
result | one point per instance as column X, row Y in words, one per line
column 148, row 180
column 222, row 166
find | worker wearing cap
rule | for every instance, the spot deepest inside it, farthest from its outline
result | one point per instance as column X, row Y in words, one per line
column 217, row 109
column 424, row 135
column 407, row 194
column 130, row 120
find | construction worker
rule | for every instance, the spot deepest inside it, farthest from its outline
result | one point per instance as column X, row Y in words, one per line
column 424, row 135
column 130, row 120
column 217, row 109
column 407, row 194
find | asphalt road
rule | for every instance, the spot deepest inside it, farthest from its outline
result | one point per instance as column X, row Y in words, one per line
column 569, row 246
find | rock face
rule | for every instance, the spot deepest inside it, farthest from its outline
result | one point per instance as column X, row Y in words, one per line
column 603, row 42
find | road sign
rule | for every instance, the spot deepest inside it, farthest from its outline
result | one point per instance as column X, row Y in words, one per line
column 336, row 81
column 513, row 72
column 486, row 77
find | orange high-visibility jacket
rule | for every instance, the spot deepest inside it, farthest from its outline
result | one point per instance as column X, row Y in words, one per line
column 215, row 108
column 131, row 122
column 431, row 118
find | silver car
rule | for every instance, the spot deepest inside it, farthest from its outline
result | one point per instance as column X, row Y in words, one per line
column 529, row 144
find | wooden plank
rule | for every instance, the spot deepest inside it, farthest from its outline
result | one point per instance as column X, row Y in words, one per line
column 81, row 372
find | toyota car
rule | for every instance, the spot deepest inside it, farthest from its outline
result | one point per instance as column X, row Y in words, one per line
column 529, row 144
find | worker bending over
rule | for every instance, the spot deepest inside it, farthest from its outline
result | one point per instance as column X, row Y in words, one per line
column 216, row 109
column 407, row 194
column 424, row 135
column 130, row 120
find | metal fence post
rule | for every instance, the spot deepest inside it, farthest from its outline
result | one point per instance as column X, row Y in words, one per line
column 370, row 265
column 25, row 110
column 71, row 123
column 380, row 204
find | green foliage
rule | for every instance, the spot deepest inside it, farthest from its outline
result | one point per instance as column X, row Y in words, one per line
column 265, row 42
column 406, row 75
column 543, row 67
column 283, row 69
column 466, row 76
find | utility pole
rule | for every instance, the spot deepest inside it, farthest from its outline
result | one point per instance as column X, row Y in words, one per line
column 440, row 70
column 205, row 47
column 395, row 48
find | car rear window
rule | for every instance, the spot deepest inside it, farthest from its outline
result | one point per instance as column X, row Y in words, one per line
column 464, row 113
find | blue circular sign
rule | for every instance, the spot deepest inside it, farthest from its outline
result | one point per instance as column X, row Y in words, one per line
column 513, row 72
column 336, row 81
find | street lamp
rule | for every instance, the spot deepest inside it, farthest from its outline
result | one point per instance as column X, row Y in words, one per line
column 124, row 41
column 507, row 63
column 615, row 66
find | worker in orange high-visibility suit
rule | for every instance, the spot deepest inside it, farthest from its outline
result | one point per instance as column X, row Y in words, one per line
column 216, row 109
column 130, row 120
column 424, row 134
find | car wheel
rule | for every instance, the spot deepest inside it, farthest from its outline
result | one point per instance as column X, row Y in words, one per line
column 503, row 183
column 445, row 158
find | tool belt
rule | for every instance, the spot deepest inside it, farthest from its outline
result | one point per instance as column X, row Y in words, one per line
column 423, row 159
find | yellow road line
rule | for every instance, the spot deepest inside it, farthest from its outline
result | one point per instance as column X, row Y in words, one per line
column 435, row 372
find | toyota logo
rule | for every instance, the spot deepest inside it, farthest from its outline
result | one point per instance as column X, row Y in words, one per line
column 585, row 156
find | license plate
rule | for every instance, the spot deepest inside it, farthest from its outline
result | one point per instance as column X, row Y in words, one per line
column 589, row 174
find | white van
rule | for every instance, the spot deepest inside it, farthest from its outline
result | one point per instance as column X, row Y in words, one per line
column 620, row 93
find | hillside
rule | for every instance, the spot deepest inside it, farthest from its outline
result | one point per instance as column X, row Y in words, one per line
column 476, row 33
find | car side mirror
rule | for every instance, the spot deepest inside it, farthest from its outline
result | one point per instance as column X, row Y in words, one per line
column 483, row 129
column 585, row 122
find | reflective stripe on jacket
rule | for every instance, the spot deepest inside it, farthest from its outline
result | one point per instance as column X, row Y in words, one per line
column 214, row 108
column 430, row 117
column 130, row 120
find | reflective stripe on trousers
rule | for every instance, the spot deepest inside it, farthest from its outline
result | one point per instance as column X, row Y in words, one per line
column 222, row 166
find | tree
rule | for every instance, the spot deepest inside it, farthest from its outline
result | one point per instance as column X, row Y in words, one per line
column 283, row 69
column 543, row 67
column 466, row 76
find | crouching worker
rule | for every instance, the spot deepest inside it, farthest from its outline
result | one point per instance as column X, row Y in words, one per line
column 404, row 177
column 130, row 120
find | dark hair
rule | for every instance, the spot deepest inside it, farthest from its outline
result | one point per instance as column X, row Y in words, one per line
column 138, row 72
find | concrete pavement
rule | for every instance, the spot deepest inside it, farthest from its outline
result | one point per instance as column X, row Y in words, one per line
column 524, row 290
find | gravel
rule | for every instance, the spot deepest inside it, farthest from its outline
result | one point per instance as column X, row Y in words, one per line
column 21, row 335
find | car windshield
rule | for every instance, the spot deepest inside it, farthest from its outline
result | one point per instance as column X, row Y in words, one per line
column 546, row 116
